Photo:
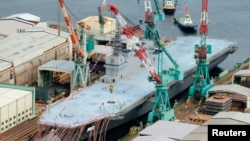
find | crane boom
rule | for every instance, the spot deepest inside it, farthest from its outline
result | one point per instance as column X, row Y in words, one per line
column 77, row 47
column 137, row 46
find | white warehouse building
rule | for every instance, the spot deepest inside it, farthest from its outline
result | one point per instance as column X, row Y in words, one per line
column 17, row 105
column 23, row 52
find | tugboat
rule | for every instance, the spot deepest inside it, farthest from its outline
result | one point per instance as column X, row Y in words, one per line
column 169, row 6
column 185, row 23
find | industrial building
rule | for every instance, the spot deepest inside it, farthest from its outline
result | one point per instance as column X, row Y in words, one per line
column 24, row 51
column 93, row 26
column 242, row 77
column 17, row 21
column 178, row 131
column 165, row 131
column 233, row 95
column 222, row 118
column 17, row 104
column 55, row 80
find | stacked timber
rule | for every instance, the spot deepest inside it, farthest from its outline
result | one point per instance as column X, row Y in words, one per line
column 63, row 78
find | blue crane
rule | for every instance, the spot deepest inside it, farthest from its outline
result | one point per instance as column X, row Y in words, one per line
column 151, row 17
column 161, row 109
column 201, row 83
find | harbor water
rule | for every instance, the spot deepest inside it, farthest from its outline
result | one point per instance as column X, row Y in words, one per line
column 228, row 20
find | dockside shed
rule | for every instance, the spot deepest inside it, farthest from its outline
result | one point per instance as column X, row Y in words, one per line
column 221, row 118
column 240, row 94
column 165, row 131
column 242, row 77
column 55, row 78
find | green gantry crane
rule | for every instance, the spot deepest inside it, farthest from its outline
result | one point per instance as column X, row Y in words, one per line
column 80, row 50
column 161, row 109
column 201, row 83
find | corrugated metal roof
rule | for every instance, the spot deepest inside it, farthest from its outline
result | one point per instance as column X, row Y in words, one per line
column 222, row 118
column 167, row 129
column 201, row 129
column 5, row 101
column 235, row 88
column 94, row 20
column 15, row 23
column 24, row 46
column 245, row 72
column 4, row 65
column 3, row 90
column 223, row 121
column 153, row 138
column 15, row 93
column 8, row 95
column 25, row 16
column 195, row 137
column 243, row 117
column 58, row 65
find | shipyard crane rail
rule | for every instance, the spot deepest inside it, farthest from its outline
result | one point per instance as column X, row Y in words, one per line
column 202, row 82
column 137, row 46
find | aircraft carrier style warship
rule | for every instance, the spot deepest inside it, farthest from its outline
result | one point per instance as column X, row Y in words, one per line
column 124, row 92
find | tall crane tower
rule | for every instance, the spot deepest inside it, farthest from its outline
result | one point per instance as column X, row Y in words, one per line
column 202, row 82
column 79, row 50
column 161, row 109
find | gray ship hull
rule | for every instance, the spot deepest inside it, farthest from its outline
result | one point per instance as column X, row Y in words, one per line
column 174, row 89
